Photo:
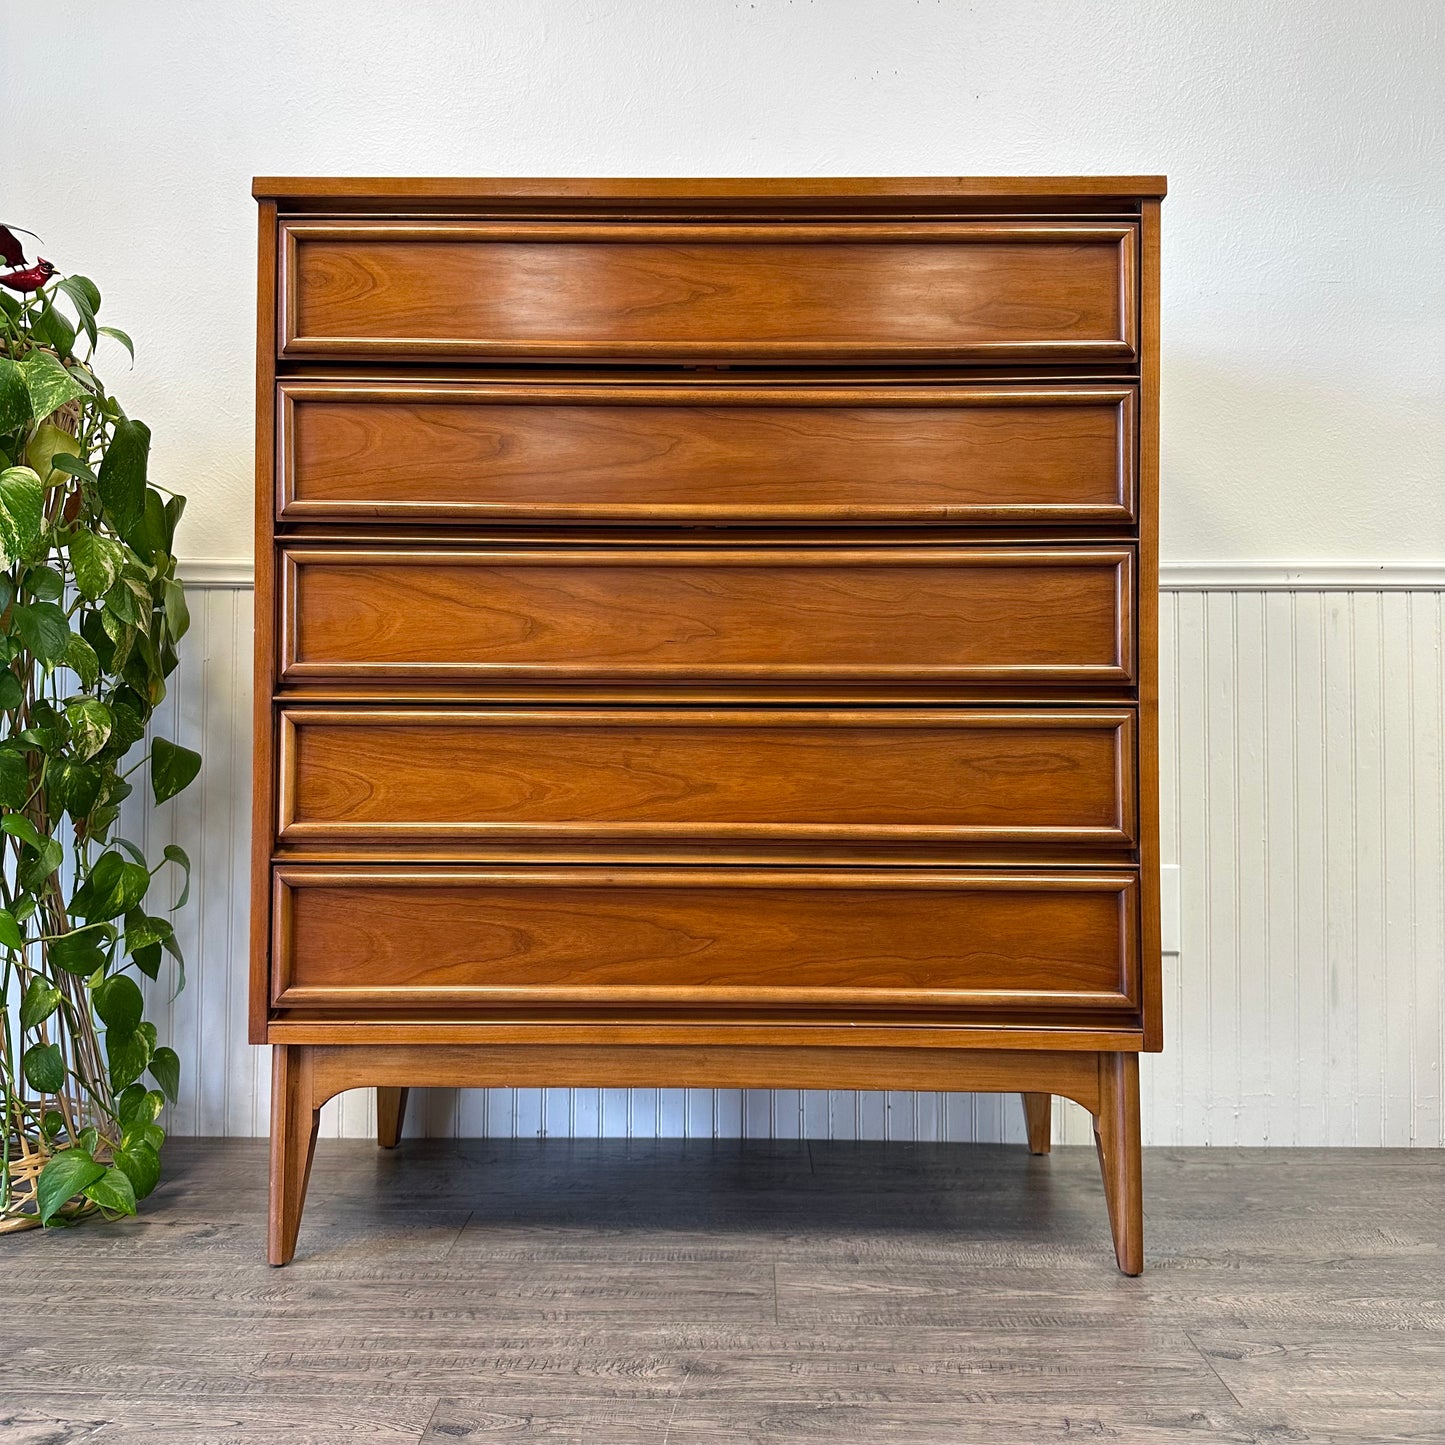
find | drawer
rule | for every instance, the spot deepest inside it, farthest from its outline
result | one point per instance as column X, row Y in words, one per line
column 927, row 290
column 704, row 937
column 416, row 451
column 1058, row 615
column 649, row 454
column 413, row 777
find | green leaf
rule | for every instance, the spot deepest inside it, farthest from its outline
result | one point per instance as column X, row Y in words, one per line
column 113, row 1190
column 49, row 384
column 116, row 334
column 11, row 693
column 129, row 725
column 172, row 769
column 174, row 853
column 14, row 398
column 128, row 603
column 74, row 788
column 51, row 1123
column 22, row 512
column 85, row 298
column 122, row 476
column 87, row 287
column 14, row 780
column 140, row 1163
column 118, row 1004
column 166, row 1071
column 35, row 870
column 147, row 958
column 138, row 1105
column 69, row 1173
column 129, row 1055
column 41, row 1000
column 151, row 1134
column 80, row 658
column 178, row 615
column 154, row 533
column 19, row 826
column 122, row 636
column 77, row 952
column 142, row 930
column 97, row 562
column 72, row 466
column 44, row 628
column 90, row 724
column 44, row 1068
column 45, row 584
column 13, row 936
column 112, row 887
column 52, row 327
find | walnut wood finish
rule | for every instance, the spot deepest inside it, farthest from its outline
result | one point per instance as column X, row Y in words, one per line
column 1057, row 616
column 740, row 672
column 1039, row 1121
column 657, row 291
column 422, row 451
column 390, row 1116
column 413, row 777
column 703, row 195
column 364, row 938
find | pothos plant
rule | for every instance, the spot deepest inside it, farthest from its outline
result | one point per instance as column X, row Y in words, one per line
column 90, row 615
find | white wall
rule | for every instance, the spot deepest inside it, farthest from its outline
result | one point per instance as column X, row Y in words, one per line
column 1304, row 288
column 1304, row 420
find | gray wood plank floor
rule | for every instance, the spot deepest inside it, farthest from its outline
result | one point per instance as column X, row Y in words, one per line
column 676, row 1292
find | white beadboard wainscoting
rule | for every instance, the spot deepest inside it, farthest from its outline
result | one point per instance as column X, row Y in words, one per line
column 1303, row 724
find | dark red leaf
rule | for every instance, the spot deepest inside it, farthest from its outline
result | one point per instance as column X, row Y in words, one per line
column 11, row 251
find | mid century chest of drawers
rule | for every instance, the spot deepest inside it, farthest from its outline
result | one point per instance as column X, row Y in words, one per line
column 706, row 636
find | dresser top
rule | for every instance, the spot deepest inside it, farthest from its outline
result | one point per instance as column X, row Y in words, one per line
column 351, row 191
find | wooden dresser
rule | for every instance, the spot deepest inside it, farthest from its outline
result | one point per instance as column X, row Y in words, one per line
column 705, row 635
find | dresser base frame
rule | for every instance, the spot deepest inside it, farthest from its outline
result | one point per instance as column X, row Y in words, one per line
column 305, row 1076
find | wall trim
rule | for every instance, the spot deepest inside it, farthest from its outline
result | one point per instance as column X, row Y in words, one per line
column 239, row 574
column 1302, row 577
column 207, row 572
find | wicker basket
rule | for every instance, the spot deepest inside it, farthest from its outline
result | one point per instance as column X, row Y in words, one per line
column 27, row 1158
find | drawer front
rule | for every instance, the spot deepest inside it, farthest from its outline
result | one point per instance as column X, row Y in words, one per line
column 704, row 937
column 414, row 776
column 919, row 290
column 1059, row 615
column 415, row 451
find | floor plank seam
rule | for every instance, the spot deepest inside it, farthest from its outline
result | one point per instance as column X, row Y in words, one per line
column 461, row 1230
column 1203, row 1355
column 676, row 1400
column 430, row 1420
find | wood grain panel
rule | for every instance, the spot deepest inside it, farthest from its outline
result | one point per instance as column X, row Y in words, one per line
column 411, row 777
column 706, row 937
column 883, row 290
column 1056, row 615
column 661, row 453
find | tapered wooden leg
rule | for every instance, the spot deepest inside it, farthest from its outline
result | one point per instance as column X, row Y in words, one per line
column 294, row 1121
column 1039, row 1120
column 390, row 1115
column 1116, row 1134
